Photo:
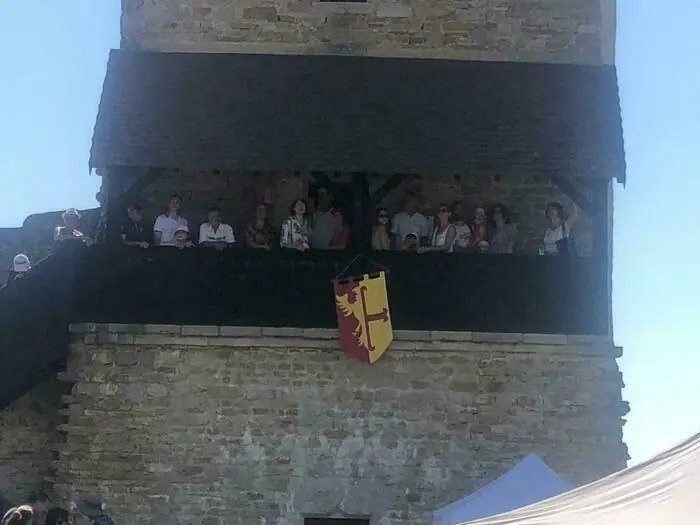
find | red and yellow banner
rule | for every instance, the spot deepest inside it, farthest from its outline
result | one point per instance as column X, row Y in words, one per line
column 364, row 321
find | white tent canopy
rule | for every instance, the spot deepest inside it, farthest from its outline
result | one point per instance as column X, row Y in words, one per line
column 528, row 482
column 663, row 491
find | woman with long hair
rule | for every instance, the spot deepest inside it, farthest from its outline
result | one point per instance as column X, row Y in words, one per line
column 501, row 231
column 296, row 229
column 558, row 237
column 444, row 235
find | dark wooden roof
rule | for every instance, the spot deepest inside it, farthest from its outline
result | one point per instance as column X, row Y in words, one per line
column 292, row 112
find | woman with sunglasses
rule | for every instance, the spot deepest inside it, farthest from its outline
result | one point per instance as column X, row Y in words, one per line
column 444, row 235
column 501, row 232
column 380, row 233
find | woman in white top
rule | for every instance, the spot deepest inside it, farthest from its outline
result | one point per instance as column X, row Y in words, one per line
column 444, row 235
column 167, row 223
column 558, row 237
column 296, row 229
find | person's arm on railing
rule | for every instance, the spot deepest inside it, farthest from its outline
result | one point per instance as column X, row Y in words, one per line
column 450, row 237
column 158, row 231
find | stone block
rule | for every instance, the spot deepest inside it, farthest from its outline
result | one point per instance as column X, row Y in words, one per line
column 240, row 331
column 155, row 339
column 411, row 335
column 282, row 331
column 319, row 333
column 83, row 327
column 587, row 339
column 200, row 330
column 496, row 337
column 545, row 339
column 438, row 335
column 394, row 10
column 267, row 13
column 162, row 329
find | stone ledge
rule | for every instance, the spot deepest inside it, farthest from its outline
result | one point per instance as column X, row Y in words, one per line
column 320, row 338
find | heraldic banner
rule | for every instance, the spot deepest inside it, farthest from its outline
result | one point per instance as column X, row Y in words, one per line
column 364, row 322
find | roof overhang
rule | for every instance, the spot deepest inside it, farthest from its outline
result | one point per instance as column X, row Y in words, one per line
column 305, row 112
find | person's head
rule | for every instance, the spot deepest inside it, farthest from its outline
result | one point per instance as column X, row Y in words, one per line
column 90, row 507
column 71, row 218
column 444, row 215
column 261, row 211
column 324, row 199
column 381, row 217
column 214, row 216
column 135, row 212
column 20, row 263
column 410, row 242
column 181, row 235
column 174, row 204
column 410, row 203
column 57, row 516
column 554, row 212
column 298, row 208
column 457, row 211
column 499, row 215
column 19, row 517
column 479, row 214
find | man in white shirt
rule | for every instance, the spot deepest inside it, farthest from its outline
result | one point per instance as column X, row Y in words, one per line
column 213, row 233
column 166, row 224
column 323, row 220
column 409, row 222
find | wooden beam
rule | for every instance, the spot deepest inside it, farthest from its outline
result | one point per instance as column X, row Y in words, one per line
column 361, row 230
column 390, row 184
column 119, row 197
column 324, row 180
column 569, row 188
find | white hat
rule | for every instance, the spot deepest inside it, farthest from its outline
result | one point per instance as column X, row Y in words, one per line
column 181, row 228
column 21, row 263
column 71, row 212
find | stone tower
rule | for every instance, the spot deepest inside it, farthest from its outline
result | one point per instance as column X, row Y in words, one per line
column 209, row 386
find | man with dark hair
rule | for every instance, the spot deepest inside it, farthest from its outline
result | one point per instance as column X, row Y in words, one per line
column 132, row 231
column 57, row 516
column 93, row 509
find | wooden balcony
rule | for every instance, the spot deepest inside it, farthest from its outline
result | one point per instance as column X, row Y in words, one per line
column 244, row 287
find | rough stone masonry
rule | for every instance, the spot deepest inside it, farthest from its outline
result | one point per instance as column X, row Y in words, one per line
column 223, row 425
column 571, row 31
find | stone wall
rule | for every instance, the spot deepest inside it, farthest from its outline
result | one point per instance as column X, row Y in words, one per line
column 237, row 194
column 572, row 31
column 28, row 439
column 189, row 425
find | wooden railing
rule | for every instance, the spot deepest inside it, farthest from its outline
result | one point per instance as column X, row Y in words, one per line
column 244, row 287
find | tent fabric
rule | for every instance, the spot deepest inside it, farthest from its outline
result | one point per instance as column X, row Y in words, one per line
column 530, row 481
column 664, row 490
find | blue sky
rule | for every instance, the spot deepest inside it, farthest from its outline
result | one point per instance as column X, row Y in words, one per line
column 54, row 53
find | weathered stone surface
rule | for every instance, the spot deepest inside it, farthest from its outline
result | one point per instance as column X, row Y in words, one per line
column 28, row 434
column 580, row 31
column 272, row 431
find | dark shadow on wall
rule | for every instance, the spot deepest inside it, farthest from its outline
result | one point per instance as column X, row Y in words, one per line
column 28, row 438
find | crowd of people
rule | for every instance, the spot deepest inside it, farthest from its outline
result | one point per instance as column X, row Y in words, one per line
column 484, row 230
column 93, row 509
column 487, row 229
